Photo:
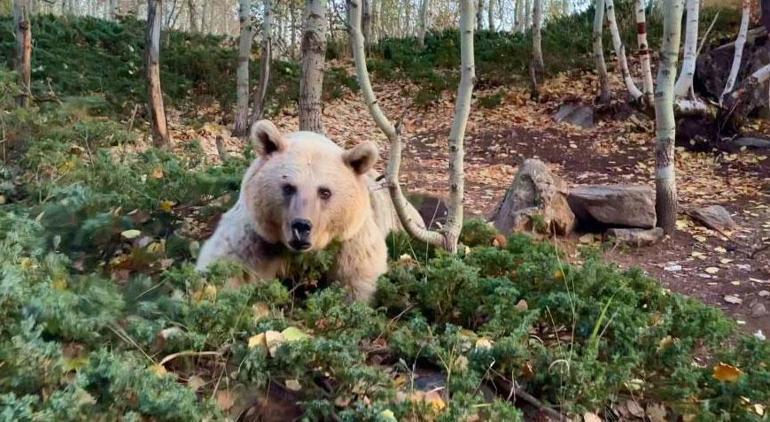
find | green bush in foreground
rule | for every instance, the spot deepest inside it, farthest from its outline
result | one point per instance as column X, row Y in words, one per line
column 102, row 315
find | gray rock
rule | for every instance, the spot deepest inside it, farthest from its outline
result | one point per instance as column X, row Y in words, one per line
column 758, row 310
column 384, row 212
column 636, row 237
column 577, row 114
column 715, row 217
column 536, row 195
column 614, row 205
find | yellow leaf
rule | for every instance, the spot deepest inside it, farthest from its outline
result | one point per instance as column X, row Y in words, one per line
column 293, row 385
column 273, row 340
column 388, row 416
column 210, row 291
column 225, row 399
column 293, row 334
column 158, row 370
column 157, row 173
column 712, row 270
column 166, row 205
column 131, row 234
column 483, row 344
column 60, row 283
column 257, row 341
column 759, row 409
column 434, row 399
column 260, row 311
column 727, row 373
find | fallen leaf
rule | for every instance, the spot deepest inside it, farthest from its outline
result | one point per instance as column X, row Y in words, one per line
column 273, row 340
column 293, row 334
column 522, row 306
column 131, row 234
column 635, row 408
column 225, row 399
column 591, row 417
column 656, row 412
column 293, row 385
column 388, row 416
column 735, row 300
column 712, row 270
column 257, row 341
column 726, row 373
column 166, row 205
column 195, row 382
column 158, row 370
column 483, row 344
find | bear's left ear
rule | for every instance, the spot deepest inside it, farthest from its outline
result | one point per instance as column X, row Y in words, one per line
column 266, row 138
column 362, row 157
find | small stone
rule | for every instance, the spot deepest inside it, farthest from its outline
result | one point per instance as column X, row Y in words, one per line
column 673, row 268
column 758, row 310
column 715, row 217
column 735, row 300
column 763, row 293
column 636, row 237
column 759, row 335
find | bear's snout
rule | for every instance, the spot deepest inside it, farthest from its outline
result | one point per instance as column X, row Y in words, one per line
column 300, row 234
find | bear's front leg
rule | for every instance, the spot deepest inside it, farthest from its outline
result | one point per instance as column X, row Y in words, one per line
column 361, row 262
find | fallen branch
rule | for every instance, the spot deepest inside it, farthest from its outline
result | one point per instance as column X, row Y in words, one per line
column 515, row 391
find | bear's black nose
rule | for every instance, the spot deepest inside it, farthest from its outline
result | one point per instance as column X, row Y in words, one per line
column 300, row 229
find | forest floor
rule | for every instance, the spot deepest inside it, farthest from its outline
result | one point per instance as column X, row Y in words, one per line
column 695, row 261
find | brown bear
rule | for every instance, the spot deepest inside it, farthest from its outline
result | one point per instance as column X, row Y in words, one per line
column 300, row 194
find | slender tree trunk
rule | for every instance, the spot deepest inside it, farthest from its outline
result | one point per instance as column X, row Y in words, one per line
column 114, row 9
column 538, row 67
column 738, row 55
column 665, row 172
column 242, row 74
column 424, row 8
column 366, row 24
column 527, row 15
column 480, row 15
column 376, row 17
column 449, row 238
column 519, row 12
column 491, row 15
column 293, row 17
column 160, row 134
column 644, row 53
column 21, row 11
column 598, row 49
column 192, row 15
column 620, row 52
column 684, row 83
column 313, row 57
column 260, row 93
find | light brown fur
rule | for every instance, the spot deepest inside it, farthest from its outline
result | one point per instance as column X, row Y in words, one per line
column 259, row 223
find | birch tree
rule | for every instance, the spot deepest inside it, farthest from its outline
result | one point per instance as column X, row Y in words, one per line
column 242, row 73
column 598, row 50
column 644, row 53
column 258, row 102
column 684, row 83
column 480, row 15
column 738, row 55
column 23, row 28
column 313, row 48
column 519, row 25
column 620, row 52
column 423, row 27
column 665, row 123
column 491, row 15
column 449, row 237
column 160, row 134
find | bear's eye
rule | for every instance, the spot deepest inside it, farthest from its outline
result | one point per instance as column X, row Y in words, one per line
column 288, row 190
column 324, row 193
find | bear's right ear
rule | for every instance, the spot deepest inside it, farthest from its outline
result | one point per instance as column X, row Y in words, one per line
column 266, row 139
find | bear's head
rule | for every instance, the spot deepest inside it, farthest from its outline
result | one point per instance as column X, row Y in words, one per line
column 303, row 190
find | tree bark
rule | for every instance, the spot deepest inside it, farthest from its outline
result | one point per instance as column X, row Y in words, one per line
column 527, row 15
column 366, row 23
column 21, row 11
column 480, row 15
column 733, row 104
column 738, row 56
column 684, row 83
column 598, row 50
column 620, row 52
column 644, row 53
column 313, row 57
column 665, row 172
column 519, row 10
column 424, row 7
column 258, row 107
column 293, row 26
column 192, row 15
column 160, row 134
column 538, row 67
column 242, row 73
column 449, row 238
column 491, row 15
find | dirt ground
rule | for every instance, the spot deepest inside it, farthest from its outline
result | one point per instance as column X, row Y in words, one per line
column 695, row 261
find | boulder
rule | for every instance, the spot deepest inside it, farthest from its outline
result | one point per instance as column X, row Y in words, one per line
column 613, row 205
column 535, row 201
column 636, row 237
column 384, row 212
column 577, row 114
column 715, row 217
column 752, row 143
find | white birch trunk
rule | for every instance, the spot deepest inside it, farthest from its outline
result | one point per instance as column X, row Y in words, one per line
column 684, row 83
column 620, row 52
column 242, row 73
column 537, row 48
column 644, row 53
column 738, row 56
column 480, row 15
column 313, row 58
column 665, row 172
column 449, row 238
column 527, row 15
column 519, row 26
column 598, row 50
column 491, row 15
column 423, row 22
